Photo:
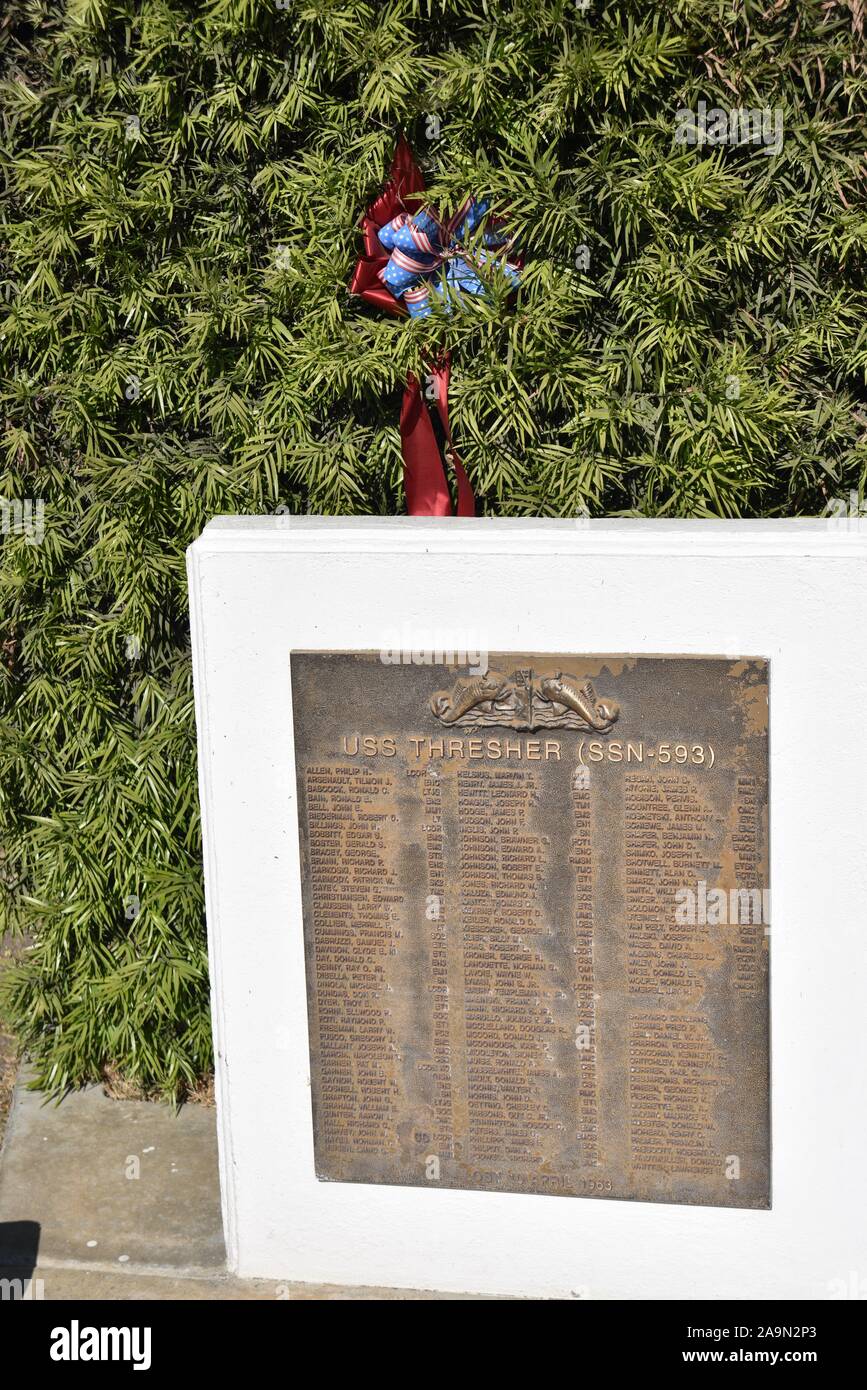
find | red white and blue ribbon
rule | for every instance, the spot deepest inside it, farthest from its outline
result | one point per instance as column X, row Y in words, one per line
column 411, row 254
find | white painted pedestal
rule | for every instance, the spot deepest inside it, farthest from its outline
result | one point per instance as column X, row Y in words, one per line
column 795, row 592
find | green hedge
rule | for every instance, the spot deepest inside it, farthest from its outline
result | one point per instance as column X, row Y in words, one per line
column 182, row 184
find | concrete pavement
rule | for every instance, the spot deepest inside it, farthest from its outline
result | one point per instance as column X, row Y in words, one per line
column 119, row 1199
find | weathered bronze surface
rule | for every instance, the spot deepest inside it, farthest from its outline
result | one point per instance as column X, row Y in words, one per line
column 536, row 923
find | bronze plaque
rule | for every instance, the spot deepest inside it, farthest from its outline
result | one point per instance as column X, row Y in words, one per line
column 536, row 922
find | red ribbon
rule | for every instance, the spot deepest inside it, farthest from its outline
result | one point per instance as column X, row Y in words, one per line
column 424, row 476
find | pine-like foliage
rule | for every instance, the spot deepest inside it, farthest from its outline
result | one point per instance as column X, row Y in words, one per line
column 182, row 183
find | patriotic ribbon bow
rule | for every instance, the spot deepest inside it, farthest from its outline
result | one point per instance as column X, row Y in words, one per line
column 419, row 245
column 406, row 247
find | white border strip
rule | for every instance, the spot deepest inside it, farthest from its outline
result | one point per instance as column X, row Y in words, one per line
column 828, row 537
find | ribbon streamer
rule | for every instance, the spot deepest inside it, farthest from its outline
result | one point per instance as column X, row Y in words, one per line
column 406, row 247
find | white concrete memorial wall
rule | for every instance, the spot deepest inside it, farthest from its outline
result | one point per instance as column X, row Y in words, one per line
column 793, row 592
